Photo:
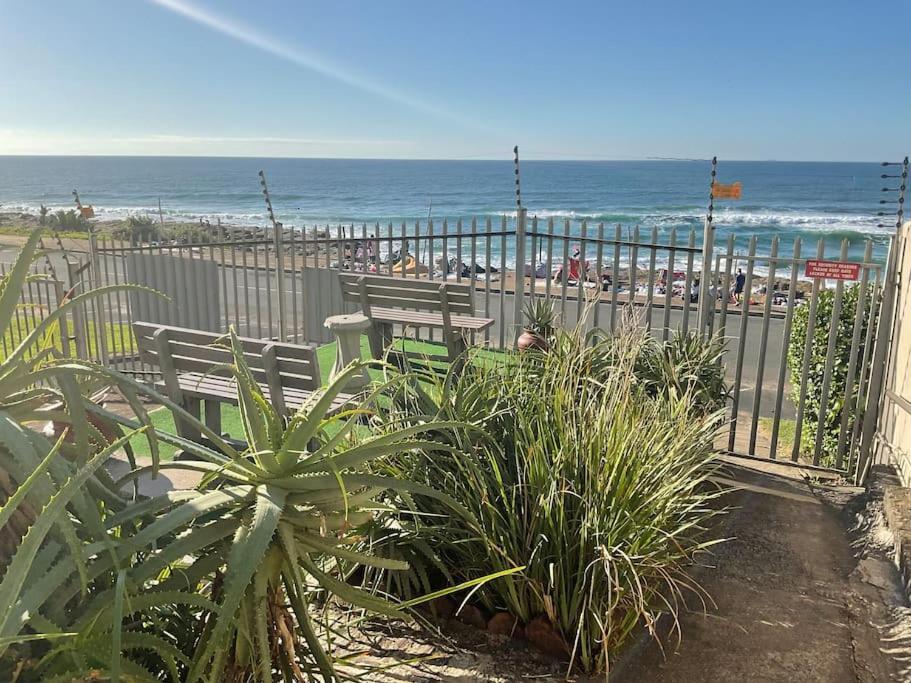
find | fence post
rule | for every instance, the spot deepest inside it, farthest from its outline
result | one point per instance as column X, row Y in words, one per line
column 79, row 333
column 278, row 238
column 60, row 299
column 705, row 308
column 101, row 334
column 520, row 272
column 879, row 361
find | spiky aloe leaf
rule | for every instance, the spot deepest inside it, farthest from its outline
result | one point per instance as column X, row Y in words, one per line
column 175, row 519
column 12, row 284
column 18, row 570
column 245, row 559
column 306, row 423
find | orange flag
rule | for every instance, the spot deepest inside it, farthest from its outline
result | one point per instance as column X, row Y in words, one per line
column 731, row 191
column 87, row 211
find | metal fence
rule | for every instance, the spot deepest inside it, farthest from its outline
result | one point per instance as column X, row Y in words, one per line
column 282, row 283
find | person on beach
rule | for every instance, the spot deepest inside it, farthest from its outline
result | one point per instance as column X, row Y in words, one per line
column 739, row 282
column 574, row 268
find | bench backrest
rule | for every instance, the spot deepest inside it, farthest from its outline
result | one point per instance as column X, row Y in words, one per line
column 273, row 364
column 408, row 293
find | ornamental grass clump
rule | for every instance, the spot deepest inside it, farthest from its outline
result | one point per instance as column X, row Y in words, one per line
column 595, row 482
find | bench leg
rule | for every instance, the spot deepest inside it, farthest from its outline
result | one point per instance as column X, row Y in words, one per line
column 184, row 427
column 213, row 416
column 457, row 350
column 380, row 336
column 375, row 336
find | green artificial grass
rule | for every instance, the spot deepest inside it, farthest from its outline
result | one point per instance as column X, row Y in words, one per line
column 119, row 336
column 231, row 425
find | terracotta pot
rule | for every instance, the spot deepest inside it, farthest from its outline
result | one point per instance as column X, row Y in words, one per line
column 545, row 637
column 530, row 340
column 503, row 623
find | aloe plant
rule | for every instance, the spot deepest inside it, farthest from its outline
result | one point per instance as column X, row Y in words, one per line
column 53, row 496
column 210, row 584
column 540, row 317
column 264, row 532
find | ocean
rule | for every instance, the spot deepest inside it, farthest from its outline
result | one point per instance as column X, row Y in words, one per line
column 809, row 200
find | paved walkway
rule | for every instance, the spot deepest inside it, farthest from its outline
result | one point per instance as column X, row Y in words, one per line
column 793, row 601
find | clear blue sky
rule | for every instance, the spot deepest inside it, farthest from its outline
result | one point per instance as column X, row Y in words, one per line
column 462, row 79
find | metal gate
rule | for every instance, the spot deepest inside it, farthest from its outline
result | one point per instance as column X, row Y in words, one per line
column 801, row 351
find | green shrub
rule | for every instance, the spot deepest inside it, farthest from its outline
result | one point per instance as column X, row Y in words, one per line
column 138, row 228
column 68, row 220
column 586, row 475
column 817, row 366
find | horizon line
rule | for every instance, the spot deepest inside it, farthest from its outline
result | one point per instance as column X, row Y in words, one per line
column 470, row 158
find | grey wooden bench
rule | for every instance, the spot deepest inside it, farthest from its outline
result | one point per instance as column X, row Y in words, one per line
column 288, row 374
column 410, row 302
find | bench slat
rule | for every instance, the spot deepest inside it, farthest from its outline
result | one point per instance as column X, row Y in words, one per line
column 405, row 293
column 223, row 389
column 303, row 352
column 402, row 290
column 217, row 354
column 421, row 319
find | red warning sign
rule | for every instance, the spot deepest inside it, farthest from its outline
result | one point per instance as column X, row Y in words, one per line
column 832, row 270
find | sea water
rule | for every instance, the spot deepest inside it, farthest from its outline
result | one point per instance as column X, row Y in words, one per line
column 810, row 200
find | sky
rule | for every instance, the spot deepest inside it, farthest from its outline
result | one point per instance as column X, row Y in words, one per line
column 468, row 79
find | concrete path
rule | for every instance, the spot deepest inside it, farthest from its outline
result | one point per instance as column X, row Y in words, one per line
column 792, row 600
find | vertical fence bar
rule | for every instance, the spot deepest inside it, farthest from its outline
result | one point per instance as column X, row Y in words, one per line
column 865, row 374
column 599, row 260
column 430, row 247
column 834, row 327
column 503, row 283
column 741, row 344
column 726, row 287
column 669, row 285
column 292, row 252
column 763, row 344
column 583, row 272
column 519, row 288
column 879, row 359
column 533, row 274
column 267, row 281
column 564, row 272
column 783, row 362
column 850, row 393
column 549, row 275
column 488, row 263
column 807, row 357
column 246, row 286
column 615, row 281
column 688, row 285
column 458, row 256
column 100, row 319
column 633, row 268
column 650, row 281
column 278, row 238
